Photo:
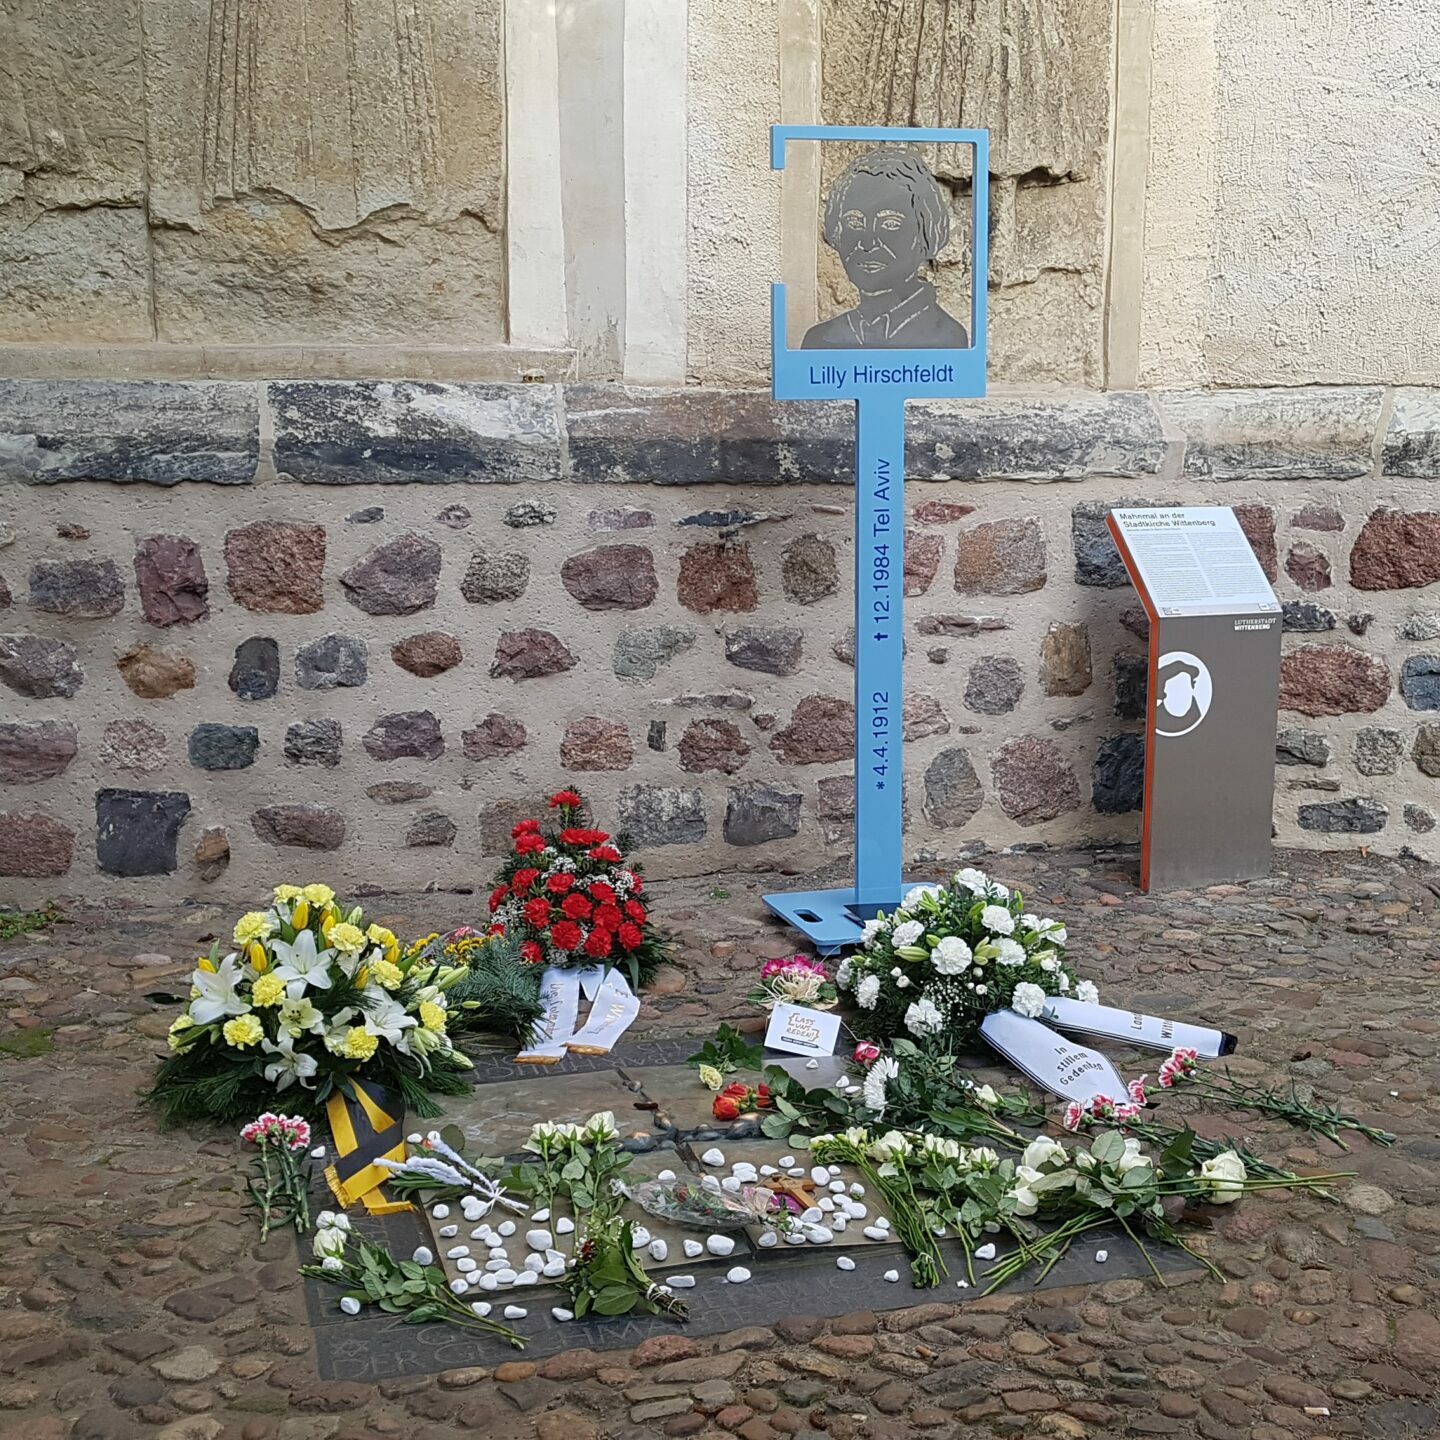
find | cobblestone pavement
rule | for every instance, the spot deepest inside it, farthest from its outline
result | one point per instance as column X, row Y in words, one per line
column 137, row 1303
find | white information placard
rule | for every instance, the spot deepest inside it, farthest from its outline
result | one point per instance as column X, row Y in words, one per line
column 1195, row 560
column 801, row 1031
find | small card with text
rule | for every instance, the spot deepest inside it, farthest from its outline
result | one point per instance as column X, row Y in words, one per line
column 802, row 1031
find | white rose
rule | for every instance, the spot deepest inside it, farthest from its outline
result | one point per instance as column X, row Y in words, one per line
column 867, row 992
column 941, row 1146
column 950, row 956
column 907, row 934
column 983, row 1094
column 1028, row 1000
column 1027, row 1202
column 997, row 920
column 1087, row 991
column 329, row 1242
column 981, row 1157
column 1043, row 1151
column 1223, row 1178
column 1131, row 1158
column 601, row 1126
column 922, row 1018
column 890, row 1146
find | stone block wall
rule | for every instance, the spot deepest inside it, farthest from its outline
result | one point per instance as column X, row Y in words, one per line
column 252, row 631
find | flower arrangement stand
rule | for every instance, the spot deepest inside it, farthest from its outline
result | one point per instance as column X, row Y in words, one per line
column 878, row 378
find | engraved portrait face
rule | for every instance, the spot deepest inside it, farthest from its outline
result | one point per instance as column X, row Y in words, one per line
column 879, row 239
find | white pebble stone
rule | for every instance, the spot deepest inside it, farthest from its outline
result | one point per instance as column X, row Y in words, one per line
column 318, row 1153
column 859, row 1212
column 710, row 1183
column 874, row 1232
column 459, row 1287
column 665, row 1176
column 472, row 1209
column 498, row 1252
column 819, row 1235
column 485, row 1235
column 857, row 1189
column 768, row 1239
column 553, row 1255
column 416, row 1139
column 892, row 1276
column 731, row 1184
column 882, row 1222
column 745, row 1174
column 465, row 1265
column 737, row 1275
column 719, row 1244
column 553, row 1269
column 457, row 1252
column 505, row 1276
column 539, row 1215
column 535, row 1263
column 786, row 1160
column 507, row 1227
column 839, row 1222
column 844, row 1262
column 1101, row 1256
column 561, row 1314
column 820, row 1175
column 837, row 1187
column 440, row 1212
column 681, row 1282
column 423, row 1256
column 812, row 1064
column 564, row 1225
column 713, row 1157
column 526, row 1277
column 985, row 1252
column 826, row 1203
column 795, row 1237
column 539, row 1239
column 962, row 1284
column 812, row 1216
column 639, row 1237
column 796, row 1171
column 768, row 1170
column 488, row 1282
column 480, row 1307
column 692, row 1248
column 834, row 1171
column 659, row 1250
column 514, row 1312
column 448, row 1232
column 349, row 1304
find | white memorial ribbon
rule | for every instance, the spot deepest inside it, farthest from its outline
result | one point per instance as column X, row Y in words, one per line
column 614, row 1011
column 560, row 997
column 1064, row 1068
column 1151, row 1032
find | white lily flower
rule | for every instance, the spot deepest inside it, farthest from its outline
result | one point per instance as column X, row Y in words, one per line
column 217, row 995
column 301, row 964
column 287, row 1067
column 387, row 1018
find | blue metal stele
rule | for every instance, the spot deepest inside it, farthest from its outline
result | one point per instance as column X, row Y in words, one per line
column 888, row 212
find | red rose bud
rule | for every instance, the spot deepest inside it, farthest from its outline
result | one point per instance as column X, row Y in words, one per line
column 866, row 1053
column 726, row 1107
column 736, row 1091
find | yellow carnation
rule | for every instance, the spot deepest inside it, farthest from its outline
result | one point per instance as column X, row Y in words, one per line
column 432, row 1016
column 386, row 975
column 268, row 990
column 254, row 926
column 347, row 937
column 358, row 1044
column 177, row 1038
column 243, row 1030
column 380, row 935
column 318, row 894
column 288, row 892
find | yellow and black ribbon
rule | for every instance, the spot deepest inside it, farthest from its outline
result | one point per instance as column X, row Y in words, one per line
column 366, row 1127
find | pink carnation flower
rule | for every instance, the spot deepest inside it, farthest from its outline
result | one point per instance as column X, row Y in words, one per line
column 866, row 1054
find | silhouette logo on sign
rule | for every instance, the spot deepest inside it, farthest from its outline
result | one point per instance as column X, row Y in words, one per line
column 1185, row 693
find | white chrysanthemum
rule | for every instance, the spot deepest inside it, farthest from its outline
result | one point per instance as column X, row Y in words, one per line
column 1087, row 991
column 922, row 1018
column 867, row 992
column 997, row 920
column 950, row 956
column 1028, row 1000
column 879, row 1075
column 1009, row 952
column 976, row 881
column 914, row 896
column 872, row 929
column 907, row 934
column 843, row 971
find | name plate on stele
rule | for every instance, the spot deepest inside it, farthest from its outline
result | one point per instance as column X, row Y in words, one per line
column 800, row 1031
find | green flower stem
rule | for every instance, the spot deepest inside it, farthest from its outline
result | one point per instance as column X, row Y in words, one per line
column 1323, row 1120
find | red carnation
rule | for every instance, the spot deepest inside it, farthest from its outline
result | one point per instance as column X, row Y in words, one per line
column 531, row 953
column 523, row 880
column 631, row 936
column 567, row 798
column 608, row 853
column 498, row 896
column 495, row 930
column 564, row 934
column 576, row 836
column 529, row 844
column 636, row 884
column 726, row 1107
column 537, row 913
column 525, row 827
column 603, row 893
column 577, row 907
column 636, row 911
column 598, row 944
column 607, row 917
column 559, row 884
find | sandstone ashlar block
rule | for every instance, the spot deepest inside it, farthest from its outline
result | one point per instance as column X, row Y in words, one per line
column 655, row 815
column 212, row 854
column 718, row 577
column 1420, row 682
column 155, row 432
column 390, row 432
column 332, row 662
column 953, row 793
column 31, row 753
column 1359, row 816
column 1332, row 680
column 530, row 654
column 1310, row 433
column 611, row 577
column 170, row 577
column 821, row 732
column 223, row 747
column 1258, row 524
column 1412, row 440
column 137, row 831
column 276, row 568
column 255, row 675
column 313, row 742
column 995, row 685
column 759, row 814
column 495, row 736
column 1034, row 780
column 1318, row 517
column 922, row 560
column 808, row 569
column 1378, row 751
column 405, row 735
column 34, row 846
column 1117, row 780
column 639, row 654
column 712, row 745
column 961, row 625
column 1396, row 550
column 77, row 589
column 156, row 674
column 1003, row 557
column 1065, row 659
column 595, row 743
column 303, row 827
column 494, row 577
column 396, row 578
column 770, row 649
column 923, row 716
column 430, row 653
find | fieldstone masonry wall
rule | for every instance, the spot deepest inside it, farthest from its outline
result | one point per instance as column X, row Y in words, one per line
column 378, row 620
